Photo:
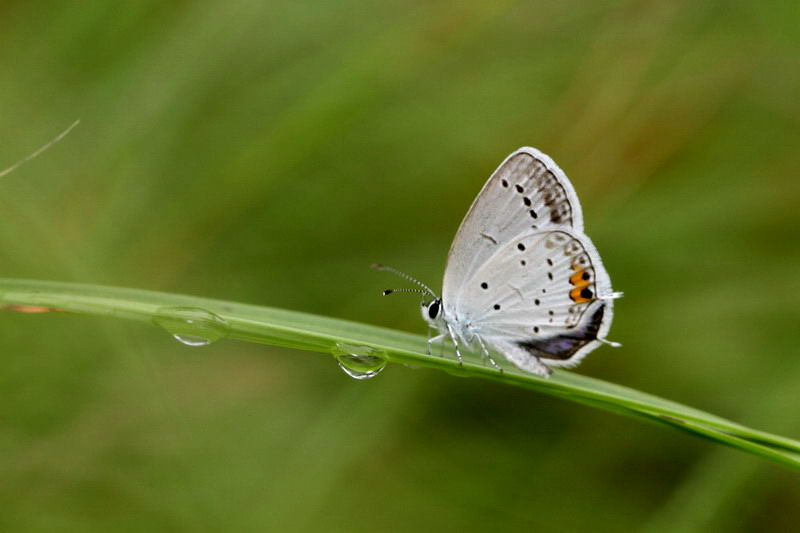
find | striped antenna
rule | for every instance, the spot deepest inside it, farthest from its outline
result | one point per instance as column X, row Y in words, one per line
column 404, row 276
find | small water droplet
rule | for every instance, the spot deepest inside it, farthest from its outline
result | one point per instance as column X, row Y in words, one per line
column 191, row 326
column 359, row 362
column 192, row 340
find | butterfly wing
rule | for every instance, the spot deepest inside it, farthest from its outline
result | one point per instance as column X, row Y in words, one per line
column 527, row 192
column 542, row 297
column 521, row 275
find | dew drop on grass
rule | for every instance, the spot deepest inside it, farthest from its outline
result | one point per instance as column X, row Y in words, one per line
column 191, row 326
column 359, row 362
column 192, row 340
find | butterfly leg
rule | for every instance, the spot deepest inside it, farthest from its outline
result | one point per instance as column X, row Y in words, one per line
column 431, row 340
column 486, row 354
column 455, row 343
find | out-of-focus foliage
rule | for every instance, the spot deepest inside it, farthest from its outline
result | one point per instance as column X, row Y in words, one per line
column 268, row 152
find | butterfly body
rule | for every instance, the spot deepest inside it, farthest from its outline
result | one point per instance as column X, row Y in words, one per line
column 522, row 279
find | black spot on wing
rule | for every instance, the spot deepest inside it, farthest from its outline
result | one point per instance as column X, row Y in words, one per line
column 565, row 346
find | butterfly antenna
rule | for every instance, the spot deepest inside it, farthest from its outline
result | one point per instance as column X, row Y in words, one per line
column 404, row 276
column 387, row 292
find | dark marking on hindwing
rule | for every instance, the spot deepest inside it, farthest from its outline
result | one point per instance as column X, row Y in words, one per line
column 564, row 346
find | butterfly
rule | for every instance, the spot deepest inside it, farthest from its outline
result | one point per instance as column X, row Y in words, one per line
column 522, row 278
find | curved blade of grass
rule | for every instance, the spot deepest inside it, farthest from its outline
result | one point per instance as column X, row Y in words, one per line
column 322, row 334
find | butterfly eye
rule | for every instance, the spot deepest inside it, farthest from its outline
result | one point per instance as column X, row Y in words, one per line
column 434, row 308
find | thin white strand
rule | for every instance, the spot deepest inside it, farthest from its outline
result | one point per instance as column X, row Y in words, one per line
column 18, row 164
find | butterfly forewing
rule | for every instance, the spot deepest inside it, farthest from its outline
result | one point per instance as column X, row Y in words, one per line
column 527, row 193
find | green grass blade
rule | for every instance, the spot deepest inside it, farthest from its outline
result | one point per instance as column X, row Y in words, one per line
column 321, row 334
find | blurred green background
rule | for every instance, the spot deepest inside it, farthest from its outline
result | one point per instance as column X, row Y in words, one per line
column 269, row 152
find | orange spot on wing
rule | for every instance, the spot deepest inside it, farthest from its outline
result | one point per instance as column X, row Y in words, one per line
column 577, row 297
column 577, row 280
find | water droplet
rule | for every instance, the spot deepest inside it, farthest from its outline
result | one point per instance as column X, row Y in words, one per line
column 359, row 362
column 192, row 340
column 191, row 325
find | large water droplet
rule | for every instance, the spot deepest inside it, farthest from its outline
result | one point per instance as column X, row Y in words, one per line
column 359, row 362
column 191, row 325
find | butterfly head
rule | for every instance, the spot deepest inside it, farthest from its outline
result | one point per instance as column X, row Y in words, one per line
column 432, row 311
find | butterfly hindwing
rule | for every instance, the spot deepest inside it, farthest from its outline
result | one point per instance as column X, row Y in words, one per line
column 543, row 292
